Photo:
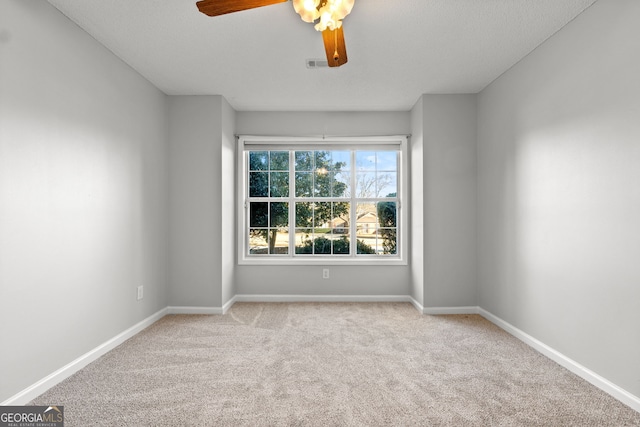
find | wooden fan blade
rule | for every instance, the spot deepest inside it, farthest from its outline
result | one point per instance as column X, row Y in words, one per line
column 334, row 47
column 221, row 7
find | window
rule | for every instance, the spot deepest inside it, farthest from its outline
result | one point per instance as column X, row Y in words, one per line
column 308, row 201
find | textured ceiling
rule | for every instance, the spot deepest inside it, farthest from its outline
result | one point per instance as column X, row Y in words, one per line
column 397, row 49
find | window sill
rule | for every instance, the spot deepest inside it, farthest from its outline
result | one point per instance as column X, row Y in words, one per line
column 322, row 261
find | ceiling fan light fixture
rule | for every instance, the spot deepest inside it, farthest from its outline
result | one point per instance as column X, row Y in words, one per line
column 327, row 21
column 340, row 8
column 307, row 9
column 328, row 13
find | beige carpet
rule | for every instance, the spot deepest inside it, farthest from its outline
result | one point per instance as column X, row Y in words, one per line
column 330, row 364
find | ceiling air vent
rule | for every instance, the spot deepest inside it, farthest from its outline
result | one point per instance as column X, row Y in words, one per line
column 317, row 63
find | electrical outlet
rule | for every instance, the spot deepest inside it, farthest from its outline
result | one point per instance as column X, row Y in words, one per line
column 325, row 273
column 140, row 292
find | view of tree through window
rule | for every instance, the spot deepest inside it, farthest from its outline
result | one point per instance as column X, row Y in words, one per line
column 322, row 202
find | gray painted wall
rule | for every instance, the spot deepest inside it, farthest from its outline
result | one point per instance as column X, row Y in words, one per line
column 202, row 201
column 318, row 123
column 307, row 280
column 82, row 194
column 559, row 200
column 195, row 193
column 449, row 200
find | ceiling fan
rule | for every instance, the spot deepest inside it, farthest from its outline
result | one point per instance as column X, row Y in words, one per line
column 327, row 15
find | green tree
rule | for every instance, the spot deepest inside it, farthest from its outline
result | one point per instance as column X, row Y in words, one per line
column 322, row 245
column 387, row 220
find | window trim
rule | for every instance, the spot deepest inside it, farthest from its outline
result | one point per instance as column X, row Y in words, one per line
column 249, row 142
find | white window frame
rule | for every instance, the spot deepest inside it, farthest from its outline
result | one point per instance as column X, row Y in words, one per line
column 272, row 143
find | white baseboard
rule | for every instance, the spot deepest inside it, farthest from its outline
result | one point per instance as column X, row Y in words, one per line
column 228, row 305
column 201, row 310
column 570, row 364
column 287, row 298
column 30, row 393
column 194, row 310
column 450, row 310
column 416, row 304
column 322, row 298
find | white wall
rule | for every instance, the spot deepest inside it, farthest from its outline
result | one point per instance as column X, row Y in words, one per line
column 82, row 194
column 559, row 193
column 448, row 200
column 307, row 280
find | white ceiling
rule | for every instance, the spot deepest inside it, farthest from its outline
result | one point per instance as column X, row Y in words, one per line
column 397, row 49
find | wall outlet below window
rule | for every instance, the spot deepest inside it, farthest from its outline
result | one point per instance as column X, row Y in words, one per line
column 325, row 273
column 140, row 292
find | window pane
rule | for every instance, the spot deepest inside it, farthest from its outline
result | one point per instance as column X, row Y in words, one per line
column 341, row 244
column 387, row 214
column 339, row 184
column 366, row 185
column 365, row 160
column 387, row 241
column 322, row 160
column 387, row 184
column 322, row 184
column 304, row 214
column 258, row 214
column 373, row 185
column 279, row 184
column 303, row 241
column 304, row 160
column 278, row 241
column 304, row 184
column 321, row 245
column 377, row 244
column 366, row 227
column 340, row 160
column 258, row 184
column 387, row 161
column 258, row 241
column 279, row 215
column 363, row 247
column 321, row 214
column 258, row 160
column 340, row 217
column 279, row 161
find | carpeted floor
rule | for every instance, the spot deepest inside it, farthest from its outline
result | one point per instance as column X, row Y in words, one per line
column 330, row 364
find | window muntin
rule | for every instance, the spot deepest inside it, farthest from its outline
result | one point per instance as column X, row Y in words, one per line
column 321, row 203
